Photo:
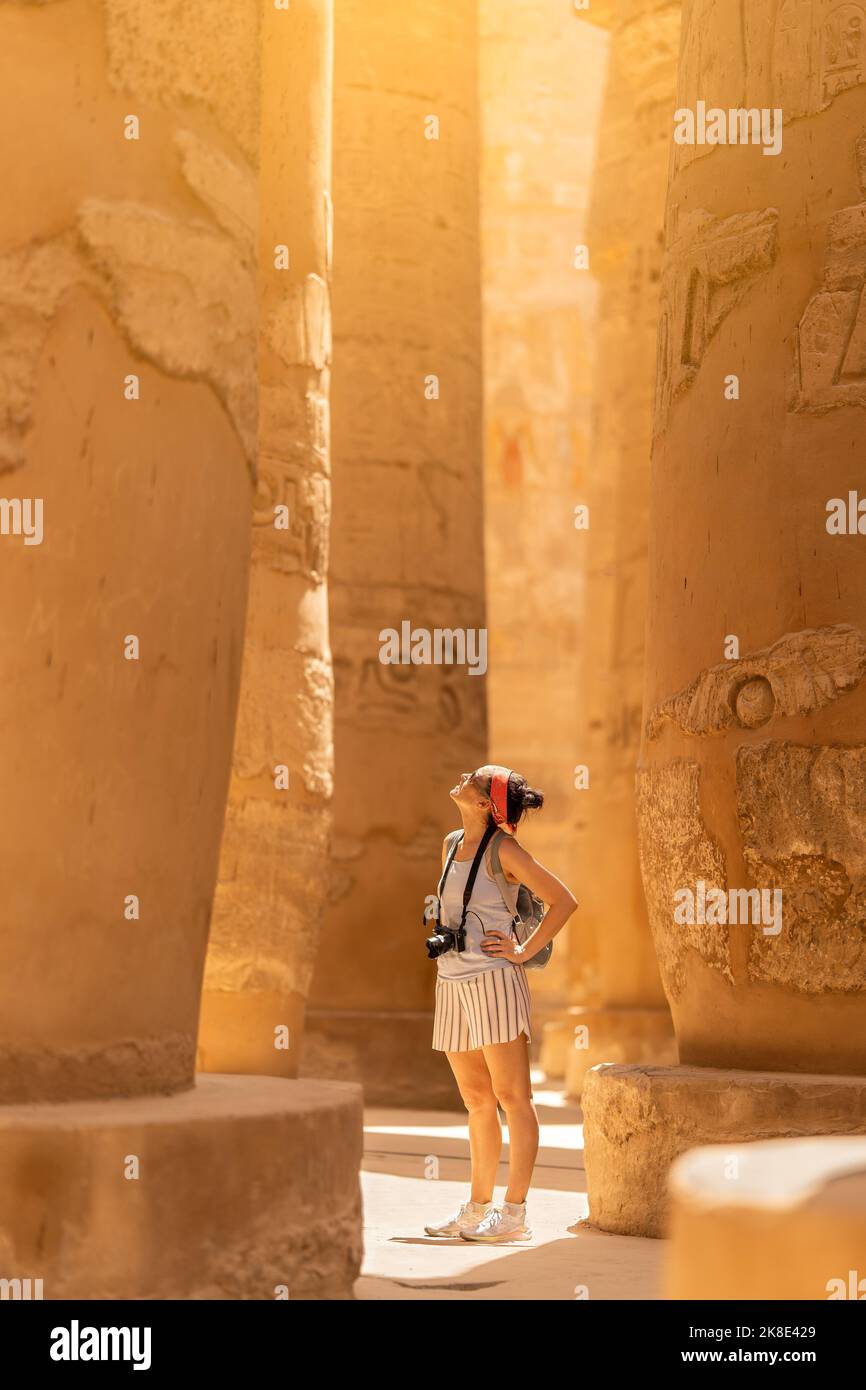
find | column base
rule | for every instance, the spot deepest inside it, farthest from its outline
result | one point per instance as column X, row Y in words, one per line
column 389, row 1053
column 593, row 1035
column 638, row 1120
column 785, row 1219
column 246, row 1188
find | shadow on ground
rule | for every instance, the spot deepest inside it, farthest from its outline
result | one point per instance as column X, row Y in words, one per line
column 416, row 1170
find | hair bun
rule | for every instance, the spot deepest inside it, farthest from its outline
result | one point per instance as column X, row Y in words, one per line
column 532, row 799
column 522, row 798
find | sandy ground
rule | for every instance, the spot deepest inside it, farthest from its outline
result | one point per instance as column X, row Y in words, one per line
column 415, row 1170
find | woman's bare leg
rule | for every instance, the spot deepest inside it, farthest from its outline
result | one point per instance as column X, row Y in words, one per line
column 485, row 1130
column 508, row 1065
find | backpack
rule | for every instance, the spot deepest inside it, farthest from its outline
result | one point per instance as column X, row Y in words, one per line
column 526, row 907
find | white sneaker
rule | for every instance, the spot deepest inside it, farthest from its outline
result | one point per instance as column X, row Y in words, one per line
column 504, row 1223
column 468, row 1218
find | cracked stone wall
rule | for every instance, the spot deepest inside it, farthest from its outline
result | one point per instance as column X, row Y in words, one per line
column 408, row 541
column 128, row 389
column 539, row 133
column 752, row 763
column 271, row 889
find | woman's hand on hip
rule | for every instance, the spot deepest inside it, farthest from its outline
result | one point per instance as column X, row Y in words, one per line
column 496, row 943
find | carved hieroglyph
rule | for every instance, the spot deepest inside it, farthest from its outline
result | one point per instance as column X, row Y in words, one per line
column 800, row 673
column 800, row 818
column 819, row 51
column 831, row 339
column 614, row 970
column 710, row 266
column 740, row 545
column 793, row 56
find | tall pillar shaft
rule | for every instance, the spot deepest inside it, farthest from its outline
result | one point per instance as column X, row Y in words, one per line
column 128, row 296
column 128, row 382
column 619, row 1011
column 538, row 147
column 751, row 790
column 407, row 538
column 271, row 888
column 753, row 766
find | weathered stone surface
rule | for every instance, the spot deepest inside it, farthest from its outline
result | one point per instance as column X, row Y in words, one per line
column 246, row 1185
column 138, row 250
column 802, row 812
column 137, row 260
column 831, row 338
column 800, row 673
column 640, row 1036
column 782, row 1219
column 33, row 281
column 272, row 880
column 710, row 266
column 676, row 852
column 638, row 1120
column 165, row 55
column 740, row 488
column 226, row 186
column 798, row 56
column 613, row 964
column 131, row 330
column 115, row 770
column 818, row 52
column 716, row 800
column 150, row 260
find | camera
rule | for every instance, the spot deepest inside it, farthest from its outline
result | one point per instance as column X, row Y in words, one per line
column 444, row 940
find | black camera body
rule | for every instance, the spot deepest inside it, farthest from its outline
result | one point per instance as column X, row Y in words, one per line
column 444, row 939
column 454, row 938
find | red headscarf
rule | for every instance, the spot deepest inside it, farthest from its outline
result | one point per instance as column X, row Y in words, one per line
column 499, row 798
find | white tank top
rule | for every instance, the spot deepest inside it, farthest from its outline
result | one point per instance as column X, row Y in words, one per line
column 486, row 909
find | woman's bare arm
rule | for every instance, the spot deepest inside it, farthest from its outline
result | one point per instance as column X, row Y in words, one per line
column 520, row 867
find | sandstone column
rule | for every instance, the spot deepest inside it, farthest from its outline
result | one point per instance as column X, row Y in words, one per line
column 407, row 529
column 273, row 868
column 128, row 303
column 753, row 766
column 538, row 147
column 619, row 1011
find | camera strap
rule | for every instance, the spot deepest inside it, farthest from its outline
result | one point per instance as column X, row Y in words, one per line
column 473, row 872
column 456, row 837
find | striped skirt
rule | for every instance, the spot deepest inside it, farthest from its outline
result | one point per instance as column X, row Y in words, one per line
column 491, row 1007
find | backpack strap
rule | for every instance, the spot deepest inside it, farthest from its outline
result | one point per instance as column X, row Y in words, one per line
column 508, row 890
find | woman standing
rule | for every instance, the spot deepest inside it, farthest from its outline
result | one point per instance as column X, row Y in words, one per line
column 482, row 1018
